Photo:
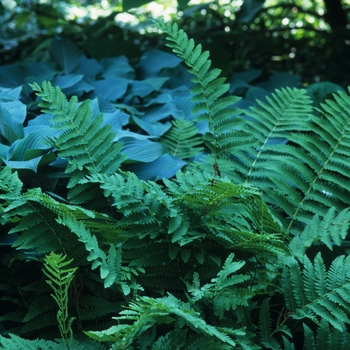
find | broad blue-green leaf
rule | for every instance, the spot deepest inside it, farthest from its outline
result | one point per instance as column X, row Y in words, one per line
column 255, row 93
column 78, row 89
column 142, row 150
column 89, row 68
column 66, row 54
column 7, row 95
column 17, row 109
column 117, row 67
column 155, row 128
column 31, row 164
column 11, row 127
column 12, row 75
column 139, row 88
column 323, row 90
column 129, row 134
column 160, row 112
column 280, row 80
column 40, row 120
column 153, row 62
column 160, row 99
column 165, row 166
column 3, row 150
column 117, row 119
column 67, row 81
column 156, row 82
column 111, row 89
column 33, row 140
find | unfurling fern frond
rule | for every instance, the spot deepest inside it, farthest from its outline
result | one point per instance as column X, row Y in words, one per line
column 182, row 140
column 88, row 146
column 226, row 128
column 59, row 279
column 317, row 294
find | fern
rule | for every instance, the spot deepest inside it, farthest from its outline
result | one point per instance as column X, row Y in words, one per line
column 318, row 294
column 331, row 230
column 88, row 146
column 226, row 129
column 223, row 287
column 320, row 162
column 182, row 140
column 325, row 338
column 59, row 279
column 146, row 312
column 18, row 343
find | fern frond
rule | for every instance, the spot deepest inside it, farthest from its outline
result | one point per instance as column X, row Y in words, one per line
column 147, row 312
column 15, row 342
column 325, row 338
column 59, row 279
column 88, row 146
column 182, row 140
column 318, row 294
column 226, row 129
column 10, row 182
column 331, row 230
column 315, row 174
column 223, row 291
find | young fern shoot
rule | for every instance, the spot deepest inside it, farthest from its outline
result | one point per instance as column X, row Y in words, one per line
column 60, row 277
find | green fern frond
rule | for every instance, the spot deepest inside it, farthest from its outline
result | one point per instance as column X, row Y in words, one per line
column 316, row 172
column 331, row 230
column 315, row 293
column 287, row 110
column 226, row 129
column 10, row 182
column 15, row 342
column 88, row 146
column 182, row 140
column 223, row 291
column 325, row 338
column 147, row 312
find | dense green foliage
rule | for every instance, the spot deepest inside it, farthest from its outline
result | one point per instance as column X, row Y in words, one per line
column 105, row 247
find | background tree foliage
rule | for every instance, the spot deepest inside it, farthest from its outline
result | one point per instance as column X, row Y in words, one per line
column 307, row 38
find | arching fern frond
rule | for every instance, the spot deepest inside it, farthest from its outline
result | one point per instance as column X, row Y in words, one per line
column 286, row 111
column 314, row 293
column 226, row 129
column 88, row 146
column 316, row 172
column 182, row 140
